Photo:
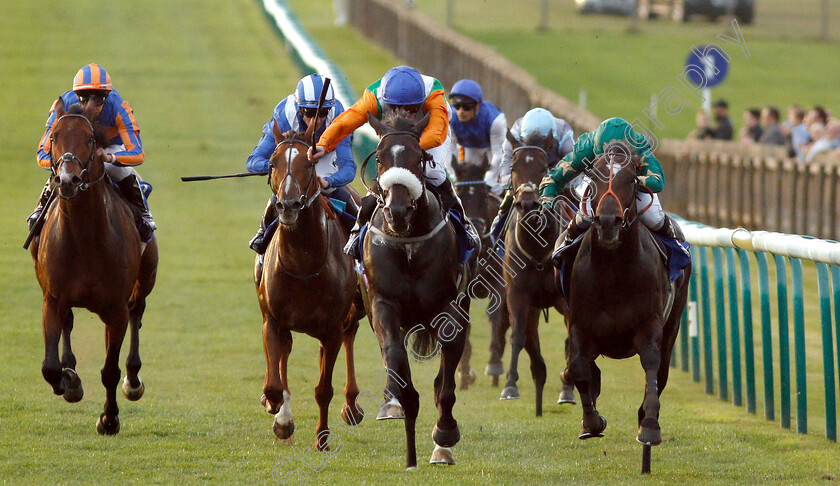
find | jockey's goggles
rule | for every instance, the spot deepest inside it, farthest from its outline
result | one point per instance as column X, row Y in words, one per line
column 97, row 97
column 311, row 112
column 461, row 105
column 412, row 109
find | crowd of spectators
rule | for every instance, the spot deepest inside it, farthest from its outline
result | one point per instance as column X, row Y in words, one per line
column 805, row 134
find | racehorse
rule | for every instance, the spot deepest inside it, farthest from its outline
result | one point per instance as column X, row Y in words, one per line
column 528, row 271
column 89, row 255
column 480, row 206
column 305, row 284
column 411, row 283
column 621, row 301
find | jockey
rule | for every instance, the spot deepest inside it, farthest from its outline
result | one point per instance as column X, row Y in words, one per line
column 405, row 90
column 588, row 146
column 92, row 84
column 536, row 121
column 295, row 112
column 478, row 128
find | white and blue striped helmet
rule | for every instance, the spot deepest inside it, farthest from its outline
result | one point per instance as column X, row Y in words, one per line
column 309, row 90
column 537, row 120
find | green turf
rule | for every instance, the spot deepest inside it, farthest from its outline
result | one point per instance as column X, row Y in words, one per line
column 620, row 71
column 203, row 77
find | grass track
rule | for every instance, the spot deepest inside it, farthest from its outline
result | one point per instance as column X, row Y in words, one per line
column 203, row 77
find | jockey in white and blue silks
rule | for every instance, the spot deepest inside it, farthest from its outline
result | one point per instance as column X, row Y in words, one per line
column 478, row 128
column 295, row 112
column 536, row 121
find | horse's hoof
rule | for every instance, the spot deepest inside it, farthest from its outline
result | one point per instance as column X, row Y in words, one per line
column 268, row 406
column 391, row 410
column 595, row 431
column 352, row 415
column 467, row 379
column 494, row 369
column 509, row 393
column 412, row 468
column 284, row 431
column 649, row 432
column 442, row 455
column 108, row 426
column 74, row 390
column 567, row 395
column 446, row 437
column 322, row 445
column 131, row 393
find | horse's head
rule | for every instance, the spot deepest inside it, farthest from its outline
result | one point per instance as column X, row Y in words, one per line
column 615, row 182
column 292, row 175
column 401, row 167
column 528, row 167
column 473, row 191
column 74, row 138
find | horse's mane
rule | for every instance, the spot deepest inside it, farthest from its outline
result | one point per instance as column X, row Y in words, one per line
column 292, row 135
column 537, row 139
column 395, row 122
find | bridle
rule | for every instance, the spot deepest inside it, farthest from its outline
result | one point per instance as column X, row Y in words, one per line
column 627, row 216
column 84, row 175
column 529, row 187
column 304, row 200
column 374, row 188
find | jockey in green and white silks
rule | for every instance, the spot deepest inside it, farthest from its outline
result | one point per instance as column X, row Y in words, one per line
column 587, row 147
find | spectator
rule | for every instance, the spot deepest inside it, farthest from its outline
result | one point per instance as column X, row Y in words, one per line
column 751, row 131
column 723, row 127
column 702, row 131
column 796, row 132
column 828, row 140
column 817, row 114
column 771, row 135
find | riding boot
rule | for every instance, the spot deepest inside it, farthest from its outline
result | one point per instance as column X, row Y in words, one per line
column 365, row 213
column 42, row 200
column 449, row 200
column 498, row 224
column 576, row 227
column 668, row 229
column 259, row 243
column 133, row 195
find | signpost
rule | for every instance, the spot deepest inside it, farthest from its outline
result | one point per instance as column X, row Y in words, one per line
column 706, row 68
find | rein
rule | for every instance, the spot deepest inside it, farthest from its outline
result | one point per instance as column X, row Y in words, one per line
column 377, row 192
column 626, row 220
column 530, row 187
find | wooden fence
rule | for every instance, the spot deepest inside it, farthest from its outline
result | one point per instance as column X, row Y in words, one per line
column 723, row 184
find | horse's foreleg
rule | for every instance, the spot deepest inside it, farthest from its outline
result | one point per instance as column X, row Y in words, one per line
column 494, row 366
column 567, row 394
column 649, row 431
column 466, row 373
column 581, row 366
column 519, row 304
column 116, row 322
column 446, row 433
column 277, row 344
column 73, row 391
column 532, row 346
column 324, row 390
column 54, row 319
column 351, row 411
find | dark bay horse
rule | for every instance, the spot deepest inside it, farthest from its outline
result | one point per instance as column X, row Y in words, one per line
column 89, row 255
column 412, row 282
column 529, row 273
column 306, row 284
column 480, row 206
column 621, row 302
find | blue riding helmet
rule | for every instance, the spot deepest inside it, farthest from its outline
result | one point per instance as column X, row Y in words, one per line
column 403, row 85
column 309, row 90
column 537, row 120
column 468, row 88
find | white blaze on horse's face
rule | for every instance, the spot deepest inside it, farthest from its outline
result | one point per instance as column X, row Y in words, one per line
column 291, row 154
column 396, row 150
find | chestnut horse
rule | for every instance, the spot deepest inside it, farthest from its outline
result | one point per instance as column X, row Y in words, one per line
column 89, row 255
column 621, row 301
column 306, row 284
column 529, row 273
column 480, row 206
column 411, row 283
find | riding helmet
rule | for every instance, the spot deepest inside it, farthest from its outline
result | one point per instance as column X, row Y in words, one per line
column 403, row 85
column 537, row 120
column 467, row 88
column 309, row 90
column 92, row 77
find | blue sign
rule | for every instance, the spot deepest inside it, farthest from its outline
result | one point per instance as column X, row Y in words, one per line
column 706, row 66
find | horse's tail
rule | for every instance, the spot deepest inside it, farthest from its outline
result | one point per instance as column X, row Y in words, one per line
column 423, row 342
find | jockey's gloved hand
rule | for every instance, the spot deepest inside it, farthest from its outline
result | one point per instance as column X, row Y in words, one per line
column 547, row 202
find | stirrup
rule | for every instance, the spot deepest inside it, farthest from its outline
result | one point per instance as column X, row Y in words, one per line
column 352, row 246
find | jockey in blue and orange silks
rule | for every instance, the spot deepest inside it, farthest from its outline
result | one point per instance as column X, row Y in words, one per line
column 92, row 85
column 404, row 90
column 296, row 112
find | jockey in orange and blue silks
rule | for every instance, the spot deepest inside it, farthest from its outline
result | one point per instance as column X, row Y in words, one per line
column 92, row 84
column 405, row 90
column 295, row 112
column 478, row 130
